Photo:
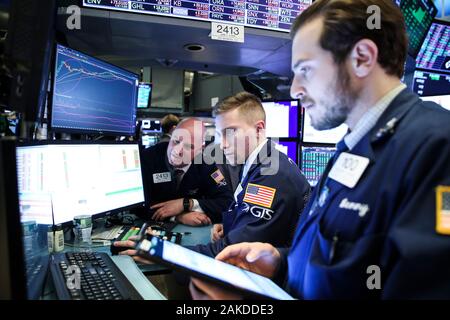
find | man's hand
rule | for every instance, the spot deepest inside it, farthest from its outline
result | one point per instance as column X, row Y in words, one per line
column 217, row 232
column 194, row 219
column 201, row 290
column 258, row 257
column 131, row 244
column 167, row 209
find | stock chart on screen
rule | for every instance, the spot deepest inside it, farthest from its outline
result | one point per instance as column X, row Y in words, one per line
column 90, row 95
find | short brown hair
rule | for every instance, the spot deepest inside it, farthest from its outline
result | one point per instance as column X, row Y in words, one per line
column 168, row 122
column 345, row 23
column 249, row 105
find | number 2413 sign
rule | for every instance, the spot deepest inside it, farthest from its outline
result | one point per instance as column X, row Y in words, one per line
column 227, row 32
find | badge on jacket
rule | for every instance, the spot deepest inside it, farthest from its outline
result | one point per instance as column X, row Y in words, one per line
column 219, row 178
column 162, row 177
column 259, row 195
column 348, row 169
column 443, row 210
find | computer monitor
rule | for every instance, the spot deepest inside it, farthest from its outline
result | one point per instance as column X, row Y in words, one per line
column 144, row 95
column 314, row 162
column 419, row 15
column 24, row 253
column 289, row 148
column 149, row 126
column 428, row 83
column 311, row 135
column 78, row 178
column 147, row 141
column 92, row 96
column 282, row 118
column 435, row 52
column 28, row 49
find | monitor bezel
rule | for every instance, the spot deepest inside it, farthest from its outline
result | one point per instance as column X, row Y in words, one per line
column 99, row 215
column 84, row 131
column 12, row 229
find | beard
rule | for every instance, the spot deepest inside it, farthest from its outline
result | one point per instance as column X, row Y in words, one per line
column 336, row 112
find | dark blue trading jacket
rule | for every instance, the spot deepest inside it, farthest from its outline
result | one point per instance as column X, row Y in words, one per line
column 199, row 182
column 256, row 215
column 338, row 247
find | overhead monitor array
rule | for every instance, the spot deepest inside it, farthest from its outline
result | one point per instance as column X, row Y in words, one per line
column 275, row 15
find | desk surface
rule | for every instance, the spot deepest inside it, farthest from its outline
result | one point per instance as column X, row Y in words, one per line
column 135, row 272
column 198, row 235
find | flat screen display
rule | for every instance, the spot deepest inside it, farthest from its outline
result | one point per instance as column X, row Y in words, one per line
column 275, row 15
column 282, row 119
column 92, row 96
column 75, row 179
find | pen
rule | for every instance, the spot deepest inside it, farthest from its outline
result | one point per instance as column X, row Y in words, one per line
column 333, row 247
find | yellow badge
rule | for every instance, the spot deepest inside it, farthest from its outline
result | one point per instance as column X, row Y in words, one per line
column 443, row 210
column 259, row 195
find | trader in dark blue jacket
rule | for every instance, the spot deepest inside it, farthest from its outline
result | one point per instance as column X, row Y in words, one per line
column 378, row 223
column 179, row 184
column 272, row 191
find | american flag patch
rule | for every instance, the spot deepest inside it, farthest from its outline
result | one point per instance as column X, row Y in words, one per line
column 217, row 176
column 259, row 195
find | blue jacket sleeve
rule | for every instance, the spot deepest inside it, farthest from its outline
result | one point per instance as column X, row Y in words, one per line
column 416, row 258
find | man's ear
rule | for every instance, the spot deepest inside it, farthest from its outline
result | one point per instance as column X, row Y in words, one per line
column 364, row 57
column 260, row 125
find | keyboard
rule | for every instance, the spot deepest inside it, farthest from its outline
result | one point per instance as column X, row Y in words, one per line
column 159, row 230
column 124, row 232
column 100, row 278
column 108, row 234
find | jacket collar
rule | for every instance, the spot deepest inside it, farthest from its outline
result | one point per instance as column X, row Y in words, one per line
column 263, row 159
column 386, row 124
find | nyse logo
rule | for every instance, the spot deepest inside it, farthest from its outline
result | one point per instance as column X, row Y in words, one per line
column 262, row 213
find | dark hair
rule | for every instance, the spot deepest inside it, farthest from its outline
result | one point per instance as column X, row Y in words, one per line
column 168, row 122
column 345, row 23
column 249, row 105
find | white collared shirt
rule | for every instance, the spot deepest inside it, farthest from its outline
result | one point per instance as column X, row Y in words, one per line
column 248, row 163
column 370, row 118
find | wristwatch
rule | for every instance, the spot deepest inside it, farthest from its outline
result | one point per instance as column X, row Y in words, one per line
column 186, row 205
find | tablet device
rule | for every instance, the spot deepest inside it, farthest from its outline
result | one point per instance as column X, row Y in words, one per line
column 203, row 267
